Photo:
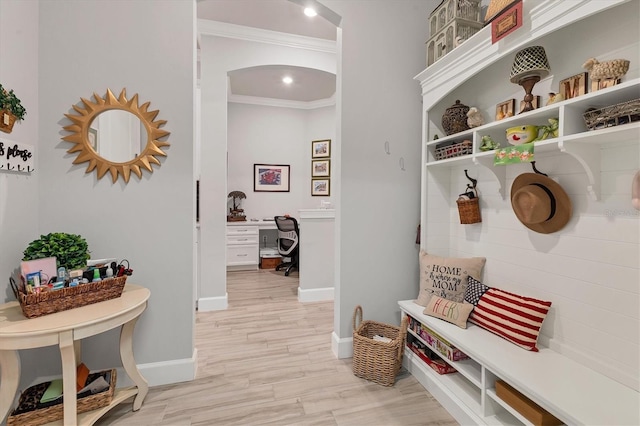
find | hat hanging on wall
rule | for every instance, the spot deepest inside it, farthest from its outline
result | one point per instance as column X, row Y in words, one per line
column 540, row 203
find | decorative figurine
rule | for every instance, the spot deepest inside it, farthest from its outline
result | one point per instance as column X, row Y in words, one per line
column 550, row 131
column 612, row 69
column 474, row 117
column 236, row 214
column 522, row 134
column 487, row 143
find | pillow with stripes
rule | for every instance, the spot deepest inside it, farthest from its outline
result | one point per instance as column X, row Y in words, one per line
column 515, row 318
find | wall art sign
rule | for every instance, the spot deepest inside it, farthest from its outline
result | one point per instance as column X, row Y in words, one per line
column 271, row 178
column 574, row 86
column 506, row 23
column 16, row 157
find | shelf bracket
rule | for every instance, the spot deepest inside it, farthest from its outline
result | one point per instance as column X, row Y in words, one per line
column 500, row 172
column 588, row 155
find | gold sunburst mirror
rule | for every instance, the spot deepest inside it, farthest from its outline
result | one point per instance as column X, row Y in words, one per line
column 116, row 135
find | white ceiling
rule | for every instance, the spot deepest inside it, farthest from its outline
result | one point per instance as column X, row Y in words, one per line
column 275, row 15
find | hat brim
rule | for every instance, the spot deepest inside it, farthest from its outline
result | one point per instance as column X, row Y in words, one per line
column 563, row 202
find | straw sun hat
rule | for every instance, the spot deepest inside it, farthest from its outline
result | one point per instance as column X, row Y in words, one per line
column 540, row 203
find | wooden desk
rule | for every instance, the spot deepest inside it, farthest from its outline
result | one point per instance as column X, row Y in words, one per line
column 66, row 329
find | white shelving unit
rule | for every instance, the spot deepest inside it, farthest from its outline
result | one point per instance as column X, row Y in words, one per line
column 242, row 246
column 574, row 138
column 477, row 74
column 570, row 391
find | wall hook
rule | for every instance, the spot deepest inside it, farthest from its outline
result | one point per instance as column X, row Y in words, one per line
column 9, row 167
column 401, row 163
column 533, row 166
column 386, row 147
column 29, row 169
column 473, row 181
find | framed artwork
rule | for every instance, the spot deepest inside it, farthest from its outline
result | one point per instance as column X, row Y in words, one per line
column 574, row 86
column 93, row 138
column 271, row 178
column 536, row 102
column 505, row 109
column 320, row 187
column 507, row 22
column 320, row 168
column 321, row 149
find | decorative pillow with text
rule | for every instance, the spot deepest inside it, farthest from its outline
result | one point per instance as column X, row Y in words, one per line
column 516, row 318
column 453, row 312
column 446, row 277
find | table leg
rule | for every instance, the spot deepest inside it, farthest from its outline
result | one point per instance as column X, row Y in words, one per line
column 129, row 363
column 9, row 379
column 68, row 357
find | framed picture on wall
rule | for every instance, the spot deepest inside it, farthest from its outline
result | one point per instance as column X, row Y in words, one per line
column 321, row 149
column 320, row 187
column 320, row 168
column 271, row 178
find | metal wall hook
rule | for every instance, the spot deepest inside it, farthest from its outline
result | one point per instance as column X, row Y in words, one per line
column 386, row 147
column 473, row 181
column 401, row 163
column 533, row 166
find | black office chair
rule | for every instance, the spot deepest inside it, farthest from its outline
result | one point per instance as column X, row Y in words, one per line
column 288, row 242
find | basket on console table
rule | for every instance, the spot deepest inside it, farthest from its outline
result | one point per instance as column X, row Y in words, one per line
column 48, row 302
column 32, row 412
column 376, row 360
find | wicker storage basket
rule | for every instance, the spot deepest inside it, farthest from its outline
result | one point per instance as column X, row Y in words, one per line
column 469, row 211
column 26, row 415
column 450, row 150
column 49, row 302
column 376, row 360
column 613, row 115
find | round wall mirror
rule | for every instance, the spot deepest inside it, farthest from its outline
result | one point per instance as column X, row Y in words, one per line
column 116, row 135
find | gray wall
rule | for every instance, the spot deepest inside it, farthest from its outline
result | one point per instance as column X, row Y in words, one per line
column 85, row 47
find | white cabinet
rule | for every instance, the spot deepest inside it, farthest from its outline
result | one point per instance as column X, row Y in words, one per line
column 242, row 247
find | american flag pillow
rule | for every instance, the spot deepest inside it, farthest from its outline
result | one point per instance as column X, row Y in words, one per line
column 516, row 318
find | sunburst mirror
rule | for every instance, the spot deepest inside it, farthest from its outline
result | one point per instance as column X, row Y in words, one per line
column 116, row 135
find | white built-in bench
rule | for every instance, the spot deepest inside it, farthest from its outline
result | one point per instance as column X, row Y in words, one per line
column 570, row 391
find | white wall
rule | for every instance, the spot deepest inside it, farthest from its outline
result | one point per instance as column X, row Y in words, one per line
column 219, row 55
column 87, row 47
column 275, row 135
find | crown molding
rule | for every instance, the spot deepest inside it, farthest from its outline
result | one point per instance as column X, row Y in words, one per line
column 282, row 103
column 240, row 32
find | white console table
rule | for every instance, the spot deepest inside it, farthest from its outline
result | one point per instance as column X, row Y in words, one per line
column 66, row 329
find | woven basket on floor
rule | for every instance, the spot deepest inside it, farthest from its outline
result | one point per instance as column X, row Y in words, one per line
column 375, row 360
column 49, row 302
column 47, row 414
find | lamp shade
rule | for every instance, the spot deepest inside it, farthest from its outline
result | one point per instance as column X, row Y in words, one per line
column 529, row 62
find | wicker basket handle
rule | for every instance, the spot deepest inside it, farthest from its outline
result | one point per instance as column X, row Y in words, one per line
column 403, row 335
column 356, row 312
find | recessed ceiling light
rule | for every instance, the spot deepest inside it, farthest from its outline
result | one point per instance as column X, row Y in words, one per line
column 287, row 80
column 310, row 11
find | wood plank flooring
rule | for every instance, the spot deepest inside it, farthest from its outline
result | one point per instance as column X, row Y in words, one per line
column 267, row 360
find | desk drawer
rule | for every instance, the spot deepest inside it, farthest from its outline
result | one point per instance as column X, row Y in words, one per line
column 242, row 230
column 242, row 255
column 243, row 239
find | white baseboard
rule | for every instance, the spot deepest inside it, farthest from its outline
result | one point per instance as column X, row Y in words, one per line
column 207, row 304
column 165, row 372
column 341, row 348
column 315, row 294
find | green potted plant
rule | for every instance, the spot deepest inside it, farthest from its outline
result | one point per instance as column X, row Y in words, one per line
column 70, row 250
column 11, row 109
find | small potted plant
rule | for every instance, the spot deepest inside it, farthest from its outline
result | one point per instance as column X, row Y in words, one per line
column 11, row 110
column 70, row 250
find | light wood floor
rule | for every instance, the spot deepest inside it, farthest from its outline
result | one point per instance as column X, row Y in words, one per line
column 267, row 360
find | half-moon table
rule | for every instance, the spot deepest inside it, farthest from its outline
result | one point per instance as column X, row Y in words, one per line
column 66, row 329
